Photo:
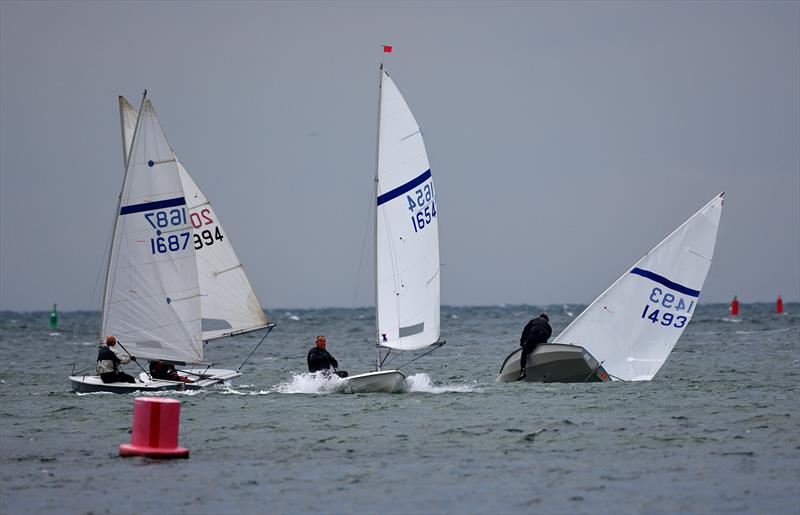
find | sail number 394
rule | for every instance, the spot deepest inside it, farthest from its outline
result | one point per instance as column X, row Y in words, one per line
column 422, row 204
column 177, row 217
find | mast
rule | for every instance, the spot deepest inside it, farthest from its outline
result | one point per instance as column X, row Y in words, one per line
column 375, row 201
column 125, row 159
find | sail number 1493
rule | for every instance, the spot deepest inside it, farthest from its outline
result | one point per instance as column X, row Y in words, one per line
column 663, row 306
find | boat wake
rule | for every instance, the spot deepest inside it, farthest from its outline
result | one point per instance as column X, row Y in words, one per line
column 422, row 383
column 315, row 383
column 243, row 389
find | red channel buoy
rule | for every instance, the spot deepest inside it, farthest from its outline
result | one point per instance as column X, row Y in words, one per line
column 779, row 305
column 155, row 429
column 735, row 306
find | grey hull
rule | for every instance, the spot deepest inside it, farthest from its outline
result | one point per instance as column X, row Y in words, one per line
column 554, row 363
column 384, row 381
column 204, row 379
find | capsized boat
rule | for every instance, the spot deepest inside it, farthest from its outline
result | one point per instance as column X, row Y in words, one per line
column 406, row 242
column 554, row 363
column 632, row 327
column 173, row 280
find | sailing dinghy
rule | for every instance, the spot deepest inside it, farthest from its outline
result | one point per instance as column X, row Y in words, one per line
column 173, row 280
column 628, row 332
column 406, row 243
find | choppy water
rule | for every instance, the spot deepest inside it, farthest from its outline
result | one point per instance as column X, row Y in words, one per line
column 718, row 430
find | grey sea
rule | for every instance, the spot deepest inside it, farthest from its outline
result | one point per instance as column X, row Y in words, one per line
column 717, row 430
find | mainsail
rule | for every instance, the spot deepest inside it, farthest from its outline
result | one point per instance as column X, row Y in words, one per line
column 407, row 231
column 633, row 326
column 152, row 296
column 228, row 302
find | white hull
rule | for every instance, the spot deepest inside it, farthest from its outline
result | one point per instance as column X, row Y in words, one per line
column 204, row 378
column 383, row 381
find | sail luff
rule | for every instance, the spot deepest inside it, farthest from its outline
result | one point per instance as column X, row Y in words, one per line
column 375, row 221
column 124, row 122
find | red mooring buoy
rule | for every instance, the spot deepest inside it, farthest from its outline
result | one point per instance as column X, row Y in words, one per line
column 155, row 429
column 735, row 306
column 779, row 305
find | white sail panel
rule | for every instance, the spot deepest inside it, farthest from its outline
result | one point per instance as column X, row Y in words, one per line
column 228, row 303
column 407, row 230
column 128, row 117
column 632, row 327
column 152, row 297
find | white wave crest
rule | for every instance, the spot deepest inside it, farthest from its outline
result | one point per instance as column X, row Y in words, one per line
column 422, row 383
column 315, row 383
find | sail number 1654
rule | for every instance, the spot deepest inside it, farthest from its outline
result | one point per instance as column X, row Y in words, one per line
column 422, row 204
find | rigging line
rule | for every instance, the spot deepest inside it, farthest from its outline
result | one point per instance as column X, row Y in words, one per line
column 134, row 359
column 395, row 261
column 593, row 371
column 100, row 274
column 438, row 344
column 269, row 328
column 363, row 246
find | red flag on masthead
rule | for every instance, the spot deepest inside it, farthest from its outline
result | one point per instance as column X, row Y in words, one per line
column 387, row 49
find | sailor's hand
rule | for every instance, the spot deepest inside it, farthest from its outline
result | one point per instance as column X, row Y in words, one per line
column 133, row 358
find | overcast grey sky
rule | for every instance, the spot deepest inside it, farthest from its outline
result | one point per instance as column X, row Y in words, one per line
column 565, row 139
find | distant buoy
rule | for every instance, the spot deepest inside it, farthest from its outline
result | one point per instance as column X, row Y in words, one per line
column 779, row 305
column 54, row 318
column 155, row 429
column 735, row 306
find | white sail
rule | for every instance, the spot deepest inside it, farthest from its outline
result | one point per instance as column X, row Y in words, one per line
column 407, row 231
column 632, row 327
column 128, row 117
column 152, row 295
column 228, row 303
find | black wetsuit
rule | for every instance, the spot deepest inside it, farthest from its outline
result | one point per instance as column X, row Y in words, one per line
column 536, row 331
column 320, row 359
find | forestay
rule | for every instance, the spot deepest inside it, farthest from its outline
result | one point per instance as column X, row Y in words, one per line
column 152, row 295
column 228, row 302
column 633, row 326
column 407, row 232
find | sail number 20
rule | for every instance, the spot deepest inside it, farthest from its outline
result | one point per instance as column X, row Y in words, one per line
column 422, row 204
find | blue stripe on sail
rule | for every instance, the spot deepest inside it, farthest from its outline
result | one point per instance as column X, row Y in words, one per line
column 410, row 185
column 666, row 282
column 152, row 206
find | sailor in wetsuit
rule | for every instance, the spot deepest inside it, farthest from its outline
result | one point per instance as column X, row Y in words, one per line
column 536, row 331
column 108, row 361
column 167, row 372
column 320, row 359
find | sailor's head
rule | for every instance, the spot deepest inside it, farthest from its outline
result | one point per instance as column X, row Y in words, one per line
column 111, row 341
column 544, row 315
column 321, row 341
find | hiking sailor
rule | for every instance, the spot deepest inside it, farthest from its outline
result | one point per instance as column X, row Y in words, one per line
column 536, row 331
column 320, row 359
column 108, row 361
